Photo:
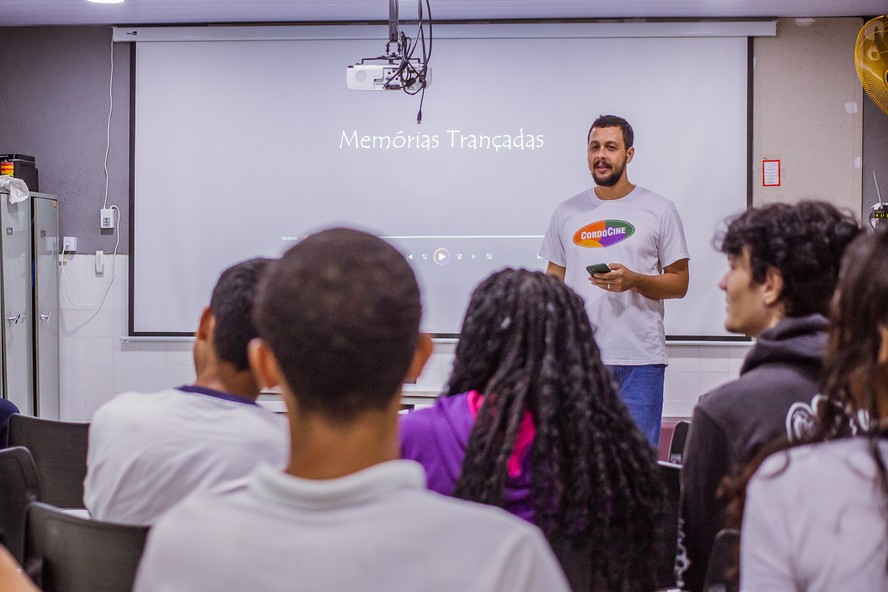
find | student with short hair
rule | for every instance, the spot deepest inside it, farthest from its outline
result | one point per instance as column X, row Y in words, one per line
column 149, row 451
column 338, row 318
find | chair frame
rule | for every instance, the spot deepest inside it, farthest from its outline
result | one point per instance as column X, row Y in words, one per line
column 722, row 572
column 59, row 451
column 67, row 553
column 677, row 443
column 20, row 487
column 670, row 473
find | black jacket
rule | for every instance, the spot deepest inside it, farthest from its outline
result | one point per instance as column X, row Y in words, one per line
column 732, row 423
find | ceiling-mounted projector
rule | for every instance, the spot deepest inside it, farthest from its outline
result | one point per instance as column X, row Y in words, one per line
column 402, row 67
column 386, row 75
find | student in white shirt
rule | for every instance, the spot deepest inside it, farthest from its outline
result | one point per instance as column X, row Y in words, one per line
column 149, row 451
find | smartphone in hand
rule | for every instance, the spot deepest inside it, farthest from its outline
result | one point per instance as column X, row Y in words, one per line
column 598, row 268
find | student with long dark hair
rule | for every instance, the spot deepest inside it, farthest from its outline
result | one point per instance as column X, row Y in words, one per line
column 815, row 515
column 530, row 421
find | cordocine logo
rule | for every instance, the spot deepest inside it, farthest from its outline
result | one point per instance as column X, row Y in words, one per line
column 603, row 233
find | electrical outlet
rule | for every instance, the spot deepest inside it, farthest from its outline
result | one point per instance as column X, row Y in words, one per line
column 100, row 262
column 106, row 218
column 69, row 244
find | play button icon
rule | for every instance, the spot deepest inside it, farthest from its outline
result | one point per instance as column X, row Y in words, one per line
column 441, row 256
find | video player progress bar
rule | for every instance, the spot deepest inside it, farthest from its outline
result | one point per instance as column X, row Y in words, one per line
column 401, row 237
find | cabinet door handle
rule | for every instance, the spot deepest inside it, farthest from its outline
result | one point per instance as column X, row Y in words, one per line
column 14, row 320
column 45, row 316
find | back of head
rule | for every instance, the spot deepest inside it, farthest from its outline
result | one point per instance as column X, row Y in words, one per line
column 804, row 242
column 232, row 306
column 527, row 344
column 614, row 121
column 341, row 311
column 517, row 321
column 854, row 374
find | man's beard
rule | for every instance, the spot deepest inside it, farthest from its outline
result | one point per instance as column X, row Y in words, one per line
column 610, row 179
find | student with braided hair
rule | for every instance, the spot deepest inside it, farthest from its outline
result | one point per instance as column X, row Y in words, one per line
column 530, row 421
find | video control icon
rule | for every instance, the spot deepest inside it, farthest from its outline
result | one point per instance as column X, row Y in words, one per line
column 441, row 256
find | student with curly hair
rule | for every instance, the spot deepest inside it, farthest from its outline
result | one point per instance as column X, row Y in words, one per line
column 531, row 422
column 784, row 263
column 815, row 515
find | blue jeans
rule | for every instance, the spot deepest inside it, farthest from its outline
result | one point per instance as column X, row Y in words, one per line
column 641, row 388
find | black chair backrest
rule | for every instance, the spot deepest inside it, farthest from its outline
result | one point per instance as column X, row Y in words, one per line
column 19, row 486
column 59, row 451
column 670, row 474
column 722, row 574
column 67, row 553
column 677, row 443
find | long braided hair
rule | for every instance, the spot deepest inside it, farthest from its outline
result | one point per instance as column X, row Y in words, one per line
column 527, row 344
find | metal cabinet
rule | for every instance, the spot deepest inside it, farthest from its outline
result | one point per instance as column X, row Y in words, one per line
column 45, row 254
column 17, row 364
column 29, row 337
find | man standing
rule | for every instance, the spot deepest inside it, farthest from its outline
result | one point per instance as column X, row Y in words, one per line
column 783, row 268
column 639, row 236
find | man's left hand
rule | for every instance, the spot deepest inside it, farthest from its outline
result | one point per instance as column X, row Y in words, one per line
column 619, row 279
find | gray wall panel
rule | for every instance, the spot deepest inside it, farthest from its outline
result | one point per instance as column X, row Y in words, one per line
column 54, row 106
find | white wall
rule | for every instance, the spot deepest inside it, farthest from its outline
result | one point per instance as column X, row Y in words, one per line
column 96, row 364
column 808, row 112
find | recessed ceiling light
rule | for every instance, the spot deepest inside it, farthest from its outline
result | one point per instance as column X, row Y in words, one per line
column 106, row 1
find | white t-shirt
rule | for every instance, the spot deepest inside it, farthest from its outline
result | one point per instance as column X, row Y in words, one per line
column 378, row 530
column 149, row 451
column 815, row 521
column 641, row 231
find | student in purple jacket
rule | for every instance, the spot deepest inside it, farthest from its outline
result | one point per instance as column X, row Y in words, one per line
column 531, row 422
column 7, row 410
